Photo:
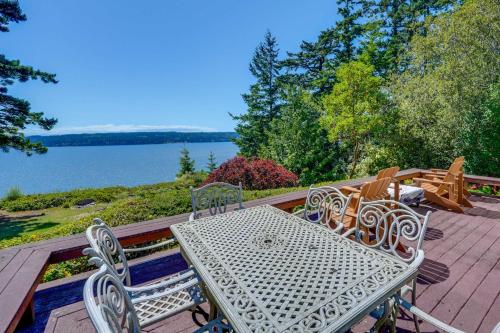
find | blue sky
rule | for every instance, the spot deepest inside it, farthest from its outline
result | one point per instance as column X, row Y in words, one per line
column 151, row 65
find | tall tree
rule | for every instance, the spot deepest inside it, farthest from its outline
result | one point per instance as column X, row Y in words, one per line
column 354, row 107
column 448, row 96
column 212, row 163
column 15, row 113
column 349, row 29
column 313, row 66
column 298, row 142
column 186, row 163
column 398, row 21
column 262, row 100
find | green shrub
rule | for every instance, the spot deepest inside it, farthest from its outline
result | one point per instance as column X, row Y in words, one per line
column 13, row 193
column 63, row 199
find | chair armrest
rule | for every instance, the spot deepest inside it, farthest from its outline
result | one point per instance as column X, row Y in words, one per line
column 145, row 248
column 338, row 228
column 299, row 213
column 438, row 170
column 349, row 232
column 350, row 189
column 435, row 182
column 427, row 317
column 433, row 176
column 162, row 284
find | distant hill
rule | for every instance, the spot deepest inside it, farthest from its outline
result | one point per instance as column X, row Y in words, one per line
column 135, row 138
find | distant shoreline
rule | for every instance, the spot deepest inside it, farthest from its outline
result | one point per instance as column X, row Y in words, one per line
column 131, row 138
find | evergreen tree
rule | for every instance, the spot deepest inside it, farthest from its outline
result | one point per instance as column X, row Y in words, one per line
column 262, row 100
column 186, row 163
column 15, row 113
column 313, row 67
column 212, row 163
column 349, row 29
column 397, row 22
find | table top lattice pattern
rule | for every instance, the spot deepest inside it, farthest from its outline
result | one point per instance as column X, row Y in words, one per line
column 274, row 272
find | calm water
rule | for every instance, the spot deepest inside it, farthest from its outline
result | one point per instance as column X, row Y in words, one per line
column 66, row 168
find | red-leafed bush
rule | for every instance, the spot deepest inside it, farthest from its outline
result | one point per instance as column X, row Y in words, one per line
column 268, row 174
column 233, row 171
column 254, row 174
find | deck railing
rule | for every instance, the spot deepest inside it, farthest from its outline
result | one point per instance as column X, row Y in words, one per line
column 22, row 267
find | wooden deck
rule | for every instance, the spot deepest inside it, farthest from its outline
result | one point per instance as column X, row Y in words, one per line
column 459, row 281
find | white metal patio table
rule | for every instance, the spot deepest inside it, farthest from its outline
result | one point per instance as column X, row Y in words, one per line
column 270, row 271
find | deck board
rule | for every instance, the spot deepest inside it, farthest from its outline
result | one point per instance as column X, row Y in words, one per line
column 458, row 282
column 467, row 287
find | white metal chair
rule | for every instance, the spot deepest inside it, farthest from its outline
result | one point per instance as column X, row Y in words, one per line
column 112, row 309
column 152, row 302
column 384, row 225
column 326, row 206
column 215, row 197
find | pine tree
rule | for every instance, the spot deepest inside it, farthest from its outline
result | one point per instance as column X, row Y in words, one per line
column 349, row 29
column 262, row 100
column 313, row 67
column 15, row 113
column 397, row 22
column 186, row 163
column 212, row 162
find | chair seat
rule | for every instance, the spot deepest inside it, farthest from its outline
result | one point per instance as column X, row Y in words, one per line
column 157, row 309
column 429, row 187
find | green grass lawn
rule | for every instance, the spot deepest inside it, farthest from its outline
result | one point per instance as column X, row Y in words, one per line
column 25, row 223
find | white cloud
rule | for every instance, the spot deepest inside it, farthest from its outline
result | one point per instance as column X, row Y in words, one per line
column 112, row 128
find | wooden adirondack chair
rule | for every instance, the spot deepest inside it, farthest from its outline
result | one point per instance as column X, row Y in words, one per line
column 375, row 190
column 446, row 187
column 384, row 173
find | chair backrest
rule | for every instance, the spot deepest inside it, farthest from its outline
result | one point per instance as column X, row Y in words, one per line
column 376, row 190
column 326, row 205
column 106, row 246
column 390, row 224
column 215, row 197
column 453, row 171
column 457, row 165
column 388, row 173
column 110, row 309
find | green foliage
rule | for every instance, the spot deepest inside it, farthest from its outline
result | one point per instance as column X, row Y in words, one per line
column 350, row 67
column 186, row 163
column 262, row 100
column 13, row 193
column 212, row 162
column 15, row 113
column 448, row 97
column 354, row 108
column 298, row 142
column 395, row 23
column 62, row 199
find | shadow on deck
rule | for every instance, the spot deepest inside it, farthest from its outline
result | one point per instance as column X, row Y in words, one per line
column 459, row 281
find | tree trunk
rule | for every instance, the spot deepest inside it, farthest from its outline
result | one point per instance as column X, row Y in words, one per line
column 355, row 158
